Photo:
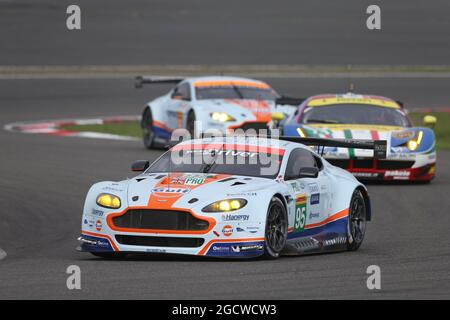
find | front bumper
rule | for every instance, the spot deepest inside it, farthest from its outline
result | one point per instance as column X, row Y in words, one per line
column 417, row 168
column 232, row 239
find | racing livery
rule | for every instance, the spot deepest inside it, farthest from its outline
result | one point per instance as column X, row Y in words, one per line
column 209, row 103
column 411, row 150
column 230, row 197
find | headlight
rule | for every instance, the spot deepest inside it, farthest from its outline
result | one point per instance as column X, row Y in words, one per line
column 415, row 143
column 108, row 201
column 225, row 205
column 221, row 117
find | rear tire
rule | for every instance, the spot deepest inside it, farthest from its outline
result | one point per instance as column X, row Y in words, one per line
column 148, row 131
column 357, row 221
column 276, row 229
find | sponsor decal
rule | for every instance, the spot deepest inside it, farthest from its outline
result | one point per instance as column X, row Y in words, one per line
column 236, row 249
column 227, row 231
column 218, row 248
column 245, row 194
column 314, row 215
column 300, row 212
column 99, row 225
column 366, row 174
column 190, row 180
column 155, row 250
column 103, row 243
column 403, row 135
column 313, row 187
column 244, row 248
column 295, row 187
column 97, row 213
column 315, row 199
column 176, row 191
column 235, row 217
column 239, row 229
column 397, row 173
column 226, row 153
column 253, row 229
column 112, row 189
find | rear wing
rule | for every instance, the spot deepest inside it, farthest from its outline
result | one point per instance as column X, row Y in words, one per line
column 141, row 80
column 378, row 146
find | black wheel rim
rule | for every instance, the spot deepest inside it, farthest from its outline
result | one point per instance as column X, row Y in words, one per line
column 276, row 228
column 358, row 220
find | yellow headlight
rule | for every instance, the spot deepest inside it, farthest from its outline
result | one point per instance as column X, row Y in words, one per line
column 415, row 143
column 221, row 117
column 225, row 205
column 108, row 201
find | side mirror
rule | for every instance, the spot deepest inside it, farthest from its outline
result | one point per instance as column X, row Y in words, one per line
column 309, row 172
column 430, row 121
column 277, row 116
column 140, row 166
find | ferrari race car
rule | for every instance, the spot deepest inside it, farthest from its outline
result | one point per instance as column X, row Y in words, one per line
column 235, row 197
column 411, row 150
column 210, row 103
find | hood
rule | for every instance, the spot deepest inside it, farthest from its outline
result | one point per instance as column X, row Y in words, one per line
column 166, row 191
column 260, row 110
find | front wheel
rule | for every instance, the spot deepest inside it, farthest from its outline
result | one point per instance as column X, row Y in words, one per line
column 357, row 221
column 276, row 229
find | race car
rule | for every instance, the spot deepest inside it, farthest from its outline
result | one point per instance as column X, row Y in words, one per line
column 411, row 150
column 210, row 103
column 231, row 197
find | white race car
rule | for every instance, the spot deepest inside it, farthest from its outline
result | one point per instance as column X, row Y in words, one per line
column 211, row 103
column 231, row 197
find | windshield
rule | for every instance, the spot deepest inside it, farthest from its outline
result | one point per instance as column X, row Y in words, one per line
column 235, row 92
column 220, row 160
column 356, row 114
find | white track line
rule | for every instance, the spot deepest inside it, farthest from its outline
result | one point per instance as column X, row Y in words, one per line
column 2, row 254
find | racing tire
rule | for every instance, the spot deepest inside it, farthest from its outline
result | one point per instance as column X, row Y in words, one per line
column 147, row 127
column 110, row 255
column 276, row 229
column 190, row 123
column 357, row 221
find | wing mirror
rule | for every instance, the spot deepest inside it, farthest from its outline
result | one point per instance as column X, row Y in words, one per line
column 140, row 166
column 309, row 172
column 430, row 121
column 277, row 116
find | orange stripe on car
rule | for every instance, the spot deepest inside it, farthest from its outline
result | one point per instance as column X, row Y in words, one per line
column 231, row 83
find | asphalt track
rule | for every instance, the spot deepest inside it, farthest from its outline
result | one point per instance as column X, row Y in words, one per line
column 33, row 32
column 44, row 180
